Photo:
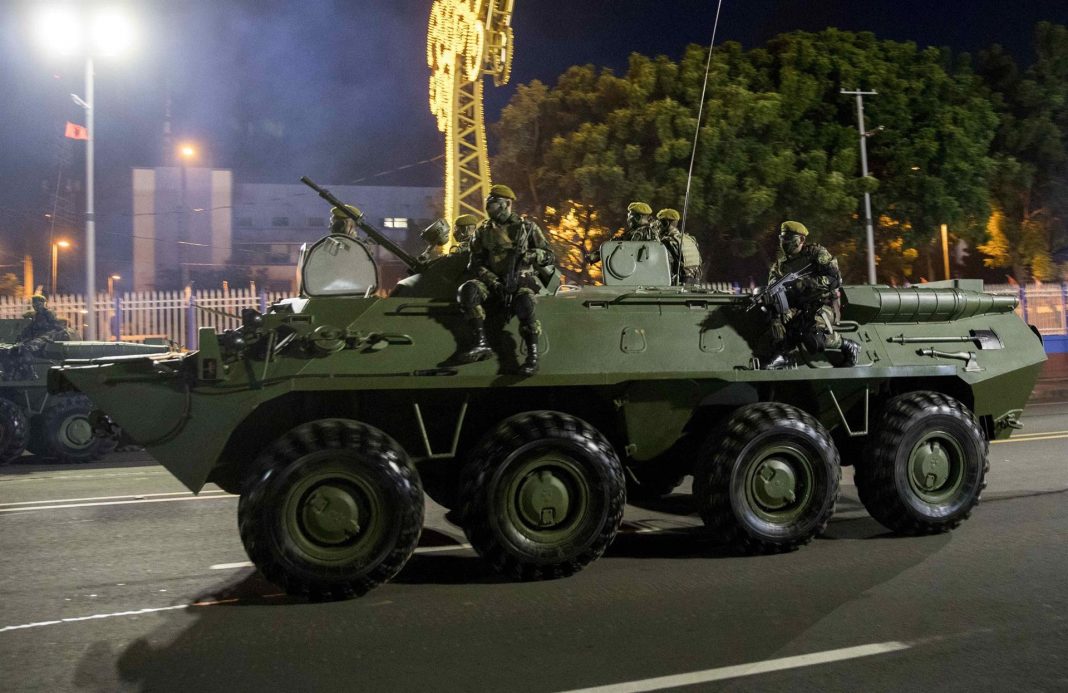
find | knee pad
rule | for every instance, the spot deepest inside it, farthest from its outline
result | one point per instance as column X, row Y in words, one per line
column 468, row 296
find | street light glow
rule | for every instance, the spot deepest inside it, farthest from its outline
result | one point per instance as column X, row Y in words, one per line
column 186, row 151
column 58, row 30
column 112, row 32
column 63, row 244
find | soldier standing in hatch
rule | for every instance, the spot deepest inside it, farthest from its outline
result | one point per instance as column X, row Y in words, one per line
column 682, row 248
column 811, row 315
column 341, row 223
column 463, row 232
column 639, row 224
column 510, row 260
column 44, row 325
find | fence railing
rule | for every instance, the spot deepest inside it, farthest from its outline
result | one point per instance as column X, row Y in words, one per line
column 176, row 315
column 1043, row 305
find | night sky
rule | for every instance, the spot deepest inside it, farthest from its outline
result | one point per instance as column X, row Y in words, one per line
column 337, row 90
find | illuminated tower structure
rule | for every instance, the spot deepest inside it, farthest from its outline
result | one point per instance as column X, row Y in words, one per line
column 466, row 39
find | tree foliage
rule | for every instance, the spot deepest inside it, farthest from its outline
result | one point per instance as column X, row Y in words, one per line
column 778, row 140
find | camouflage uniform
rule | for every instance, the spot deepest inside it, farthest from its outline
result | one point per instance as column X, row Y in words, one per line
column 18, row 360
column 682, row 248
column 492, row 250
column 811, row 316
column 639, row 225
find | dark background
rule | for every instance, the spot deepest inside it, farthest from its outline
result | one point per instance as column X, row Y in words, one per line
column 338, row 90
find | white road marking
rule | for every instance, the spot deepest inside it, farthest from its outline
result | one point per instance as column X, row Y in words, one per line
column 93, row 617
column 421, row 549
column 128, row 502
column 751, row 669
column 132, row 496
column 1033, row 436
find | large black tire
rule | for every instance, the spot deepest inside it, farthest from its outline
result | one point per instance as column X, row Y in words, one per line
column 14, row 431
column 334, row 509
column 63, row 431
column 925, row 465
column 542, row 495
column 768, row 480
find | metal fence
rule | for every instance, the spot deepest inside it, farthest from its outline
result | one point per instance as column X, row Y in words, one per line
column 138, row 316
column 175, row 315
column 1043, row 305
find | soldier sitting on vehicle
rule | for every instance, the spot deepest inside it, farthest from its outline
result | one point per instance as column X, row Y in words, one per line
column 682, row 248
column 17, row 361
column 511, row 261
column 436, row 236
column 810, row 318
column 463, row 232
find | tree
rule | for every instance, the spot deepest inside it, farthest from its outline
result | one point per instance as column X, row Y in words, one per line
column 777, row 141
column 1030, row 187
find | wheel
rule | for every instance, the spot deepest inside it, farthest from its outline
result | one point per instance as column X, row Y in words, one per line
column 925, row 465
column 542, row 495
column 14, row 431
column 64, row 431
column 767, row 481
column 334, row 509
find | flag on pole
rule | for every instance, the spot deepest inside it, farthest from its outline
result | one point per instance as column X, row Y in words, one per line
column 77, row 132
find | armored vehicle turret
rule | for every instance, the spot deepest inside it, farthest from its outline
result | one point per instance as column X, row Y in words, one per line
column 330, row 411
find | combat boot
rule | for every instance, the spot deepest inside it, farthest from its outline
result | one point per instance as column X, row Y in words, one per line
column 480, row 350
column 850, row 352
column 778, row 363
column 530, row 365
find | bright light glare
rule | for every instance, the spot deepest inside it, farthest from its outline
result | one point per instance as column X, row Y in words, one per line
column 112, row 33
column 58, row 30
column 187, row 151
column 63, row 244
column 116, row 277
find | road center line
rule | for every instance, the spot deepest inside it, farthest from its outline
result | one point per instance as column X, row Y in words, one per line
column 421, row 549
column 751, row 669
column 1033, row 436
column 127, row 502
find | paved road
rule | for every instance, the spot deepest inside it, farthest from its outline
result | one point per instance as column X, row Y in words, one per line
column 114, row 578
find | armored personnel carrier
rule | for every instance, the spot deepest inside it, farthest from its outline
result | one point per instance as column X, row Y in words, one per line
column 329, row 412
column 55, row 427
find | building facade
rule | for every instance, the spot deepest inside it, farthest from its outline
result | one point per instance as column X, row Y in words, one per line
column 195, row 226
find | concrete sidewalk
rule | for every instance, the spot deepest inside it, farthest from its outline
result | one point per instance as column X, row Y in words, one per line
column 1052, row 385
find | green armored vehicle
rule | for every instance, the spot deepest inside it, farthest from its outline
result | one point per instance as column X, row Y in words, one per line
column 55, row 426
column 330, row 412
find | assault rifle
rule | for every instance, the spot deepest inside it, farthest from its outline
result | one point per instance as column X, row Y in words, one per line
column 515, row 261
column 772, row 299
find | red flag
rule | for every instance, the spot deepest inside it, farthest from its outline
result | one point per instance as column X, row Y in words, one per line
column 77, row 132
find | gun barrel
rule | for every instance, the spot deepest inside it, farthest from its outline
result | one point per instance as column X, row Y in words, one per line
column 371, row 231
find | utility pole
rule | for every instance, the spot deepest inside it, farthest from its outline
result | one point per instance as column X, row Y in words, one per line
column 864, row 171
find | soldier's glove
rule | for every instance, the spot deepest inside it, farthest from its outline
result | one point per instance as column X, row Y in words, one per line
column 805, row 285
column 778, row 330
column 531, row 257
column 497, row 288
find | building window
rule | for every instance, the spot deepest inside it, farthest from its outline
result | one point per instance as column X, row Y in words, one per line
column 395, row 223
column 244, row 221
column 280, row 221
column 316, row 222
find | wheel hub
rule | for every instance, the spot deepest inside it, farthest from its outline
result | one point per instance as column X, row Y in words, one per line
column 775, row 484
column 331, row 515
column 543, row 499
column 78, row 432
column 930, row 465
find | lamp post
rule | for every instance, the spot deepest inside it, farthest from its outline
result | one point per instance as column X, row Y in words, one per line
column 112, row 278
column 864, row 171
column 106, row 32
column 55, row 262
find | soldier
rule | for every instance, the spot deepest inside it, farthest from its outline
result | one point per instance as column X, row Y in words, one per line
column 511, row 261
column 682, row 248
column 639, row 224
column 463, row 232
column 436, row 236
column 44, row 326
column 810, row 318
column 341, row 223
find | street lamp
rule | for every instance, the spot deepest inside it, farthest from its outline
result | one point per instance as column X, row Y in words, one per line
column 55, row 261
column 112, row 278
column 71, row 31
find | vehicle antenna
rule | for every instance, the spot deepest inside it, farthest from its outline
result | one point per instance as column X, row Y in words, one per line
column 697, row 131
